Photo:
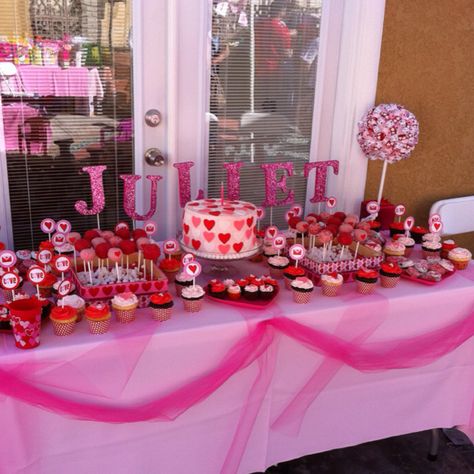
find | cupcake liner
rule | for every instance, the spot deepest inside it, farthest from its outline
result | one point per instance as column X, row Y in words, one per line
column 171, row 275
column 63, row 329
column 99, row 327
column 330, row 290
column 125, row 315
column 161, row 314
column 460, row 264
column 365, row 288
column 302, row 297
column 80, row 313
column 389, row 282
column 276, row 273
column 7, row 295
column 234, row 296
column 192, row 306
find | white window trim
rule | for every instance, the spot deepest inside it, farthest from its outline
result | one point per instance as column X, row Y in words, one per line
column 6, row 234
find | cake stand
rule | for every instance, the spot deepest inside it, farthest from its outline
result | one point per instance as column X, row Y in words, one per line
column 220, row 264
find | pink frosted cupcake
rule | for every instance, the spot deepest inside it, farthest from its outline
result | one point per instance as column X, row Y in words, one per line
column 192, row 298
column 278, row 265
column 431, row 248
column 331, row 283
column 125, row 305
column 460, row 258
column 394, row 248
column 408, row 242
column 302, row 288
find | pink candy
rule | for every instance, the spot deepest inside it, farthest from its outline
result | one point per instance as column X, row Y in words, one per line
column 346, row 229
column 115, row 240
column 114, row 254
column 325, row 236
column 107, row 234
column 364, row 226
column 142, row 241
column 302, row 227
column 360, row 235
column 97, row 241
column 314, row 228
column 87, row 255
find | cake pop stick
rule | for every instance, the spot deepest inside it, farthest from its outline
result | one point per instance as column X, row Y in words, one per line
column 87, row 256
column 114, row 254
column 360, row 235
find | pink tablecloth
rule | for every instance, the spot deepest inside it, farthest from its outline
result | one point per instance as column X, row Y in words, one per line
column 132, row 361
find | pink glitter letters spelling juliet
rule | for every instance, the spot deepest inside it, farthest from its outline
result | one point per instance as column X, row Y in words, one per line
column 97, row 190
column 233, row 180
column 321, row 177
column 129, row 204
column 273, row 184
column 184, row 182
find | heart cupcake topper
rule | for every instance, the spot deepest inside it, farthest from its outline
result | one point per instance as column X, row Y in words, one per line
column 271, row 232
column 260, row 212
column 59, row 240
column 48, row 225
column 36, row 275
column 170, row 246
column 297, row 252
column 187, row 258
column 193, row 269
column 434, row 218
column 289, row 215
column 409, row 223
column 10, row 281
column 64, row 288
column 45, row 256
column 279, row 242
column 400, row 210
column 150, row 228
column 7, row 259
column 63, row 226
column 297, row 210
column 436, row 227
column 122, row 225
column 62, row 264
column 331, row 202
column 373, row 207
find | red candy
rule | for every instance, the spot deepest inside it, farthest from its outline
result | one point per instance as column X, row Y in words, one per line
column 344, row 239
column 123, row 233
column 128, row 246
column 82, row 244
column 139, row 233
column 151, row 251
column 340, row 215
column 293, row 221
column 102, row 249
column 333, row 220
column 91, row 234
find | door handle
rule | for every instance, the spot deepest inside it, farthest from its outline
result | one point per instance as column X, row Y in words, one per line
column 154, row 157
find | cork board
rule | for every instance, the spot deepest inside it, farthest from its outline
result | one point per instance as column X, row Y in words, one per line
column 427, row 64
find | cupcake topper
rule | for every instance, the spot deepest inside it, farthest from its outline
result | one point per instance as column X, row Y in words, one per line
column 48, row 226
column 373, row 208
column 193, row 269
column 279, row 242
column 260, row 216
column 63, row 226
column 10, row 281
column 399, row 211
column 297, row 252
column 331, row 202
column 288, row 216
column 64, row 288
column 434, row 218
column 297, row 209
column 7, row 259
column 59, row 240
column 62, row 264
column 44, row 256
column 187, row 258
column 150, row 228
column 170, row 247
column 408, row 224
column 436, row 227
column 271, row 232
column 36, row 276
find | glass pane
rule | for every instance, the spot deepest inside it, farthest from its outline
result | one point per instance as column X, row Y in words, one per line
column 66, row 94
column 263, row 77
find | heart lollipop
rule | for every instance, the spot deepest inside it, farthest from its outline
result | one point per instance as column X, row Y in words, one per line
column 128, row 247
column 360, row 235
column 87, row 256
column 91, row 234
column 152, row 253
column 115, row 255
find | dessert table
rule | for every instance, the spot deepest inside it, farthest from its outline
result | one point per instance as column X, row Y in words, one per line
column 235, row 390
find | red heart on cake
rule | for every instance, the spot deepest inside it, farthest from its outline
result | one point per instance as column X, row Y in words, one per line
column 196, row 244
column 120, row 288
column 146, row 286
column 93, row 292
column 196, row 221
column 193, row 204
column 436, row 225
column 238, row 246
column 209, row 223
column 259, row 213
column 186, row 228
column 250, row 221
column 229, row 208
column 239, row 224
column 332, row 202
column 133, row 287
column 224, row 238
column 107, row 290
column 272, row 232
column 214, row 213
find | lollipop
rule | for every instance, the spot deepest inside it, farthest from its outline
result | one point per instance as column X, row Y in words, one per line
column 123, row 233
column 138, row 233
column 101, row 251
column 360, row 235
column 150, row 252
column 91, row 234
column 87, row 256
column 345, row 239
column 97, row 240
column 128, row 247
column 115, row 254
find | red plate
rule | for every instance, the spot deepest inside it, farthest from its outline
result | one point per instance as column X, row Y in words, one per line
column 427, row 282
column 243, row 303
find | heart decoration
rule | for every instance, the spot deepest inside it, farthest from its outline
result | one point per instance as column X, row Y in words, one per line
column 209, row 236
column 146, row 286
column 170, row 246
column 436, row 227
column 331, row 202
column 150, row 227
column 238, row 246
column 196, row 221
column 279, row 242
column 64, row 226
column 373, row 207
column 94, row 292
column 250, row 221
column 224, row 238
column 239, row 224
column 400, row 210
column 214, row 213
column 196, row 244
column 186, row 228
column 260, row 212
column 209, row 223
column 7, row 258
column 10, row 281
column 193, row 269
column 297, row 252
column 223, row 249
column 409, row 222
column 47, row 225
column 58, row 239
column 187, row 258
column 107, row 290
column 297, row 210
column 289, row 215
column 159, row 285
column 271, row 232
column 248, row 233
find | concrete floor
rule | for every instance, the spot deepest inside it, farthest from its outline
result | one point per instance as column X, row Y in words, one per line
column 399, row 455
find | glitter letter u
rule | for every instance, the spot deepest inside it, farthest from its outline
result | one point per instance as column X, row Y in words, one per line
column 129, row 204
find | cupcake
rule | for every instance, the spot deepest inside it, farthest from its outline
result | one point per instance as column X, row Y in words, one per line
column 46, row 287
column 278, row 265
column 366, row 280
column 182, row 280
column 63, row 319
column 330, row 283
column 125, row 305
column 302, row 288
column 431, row 249
column 396, row 228
column 389, row 274
column 408, row 242
column 291, row 273
column 77, row 303
column 431, row 237
column 234, row 292
column 228, row 282
column 192, row 298
column 98, row 316
column 217, row 290
column 460, row 258
column 170, row 267
column 161, row 304
column 417, row 232
column 242, row 282
column 270, row 281
column 251, row 292
column 269, row 251
column 266, row 291
column 446, row 247
column 394, row 248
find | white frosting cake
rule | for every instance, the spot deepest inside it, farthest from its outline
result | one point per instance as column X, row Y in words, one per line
column 224, row 230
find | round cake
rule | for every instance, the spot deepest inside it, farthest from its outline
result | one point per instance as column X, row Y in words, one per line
column 220, row 230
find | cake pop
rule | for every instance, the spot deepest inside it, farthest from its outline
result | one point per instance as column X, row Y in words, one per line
column 91, row 234
column 345, row 239
column 82, row 244
column 115, row 241
column 346, row 228
column 360, row 235
column 101, row 251
column 123, row 233
column 114, row 255
column 138, row 233
column 302, row 228
column 87, row 256
column 313, row 229
column 96, row 241
column 324, row 237
column 128, row 247
column 106, row 234
column 150, row 252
